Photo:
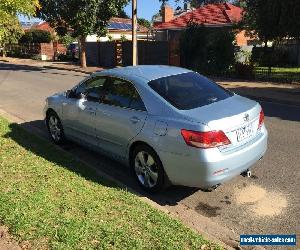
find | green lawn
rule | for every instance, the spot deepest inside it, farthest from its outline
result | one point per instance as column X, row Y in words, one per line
column 281, row 70
column 278, row 74
column 56, row 202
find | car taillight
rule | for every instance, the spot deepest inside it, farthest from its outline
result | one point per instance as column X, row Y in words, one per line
column 261, row 119
column 210, row 139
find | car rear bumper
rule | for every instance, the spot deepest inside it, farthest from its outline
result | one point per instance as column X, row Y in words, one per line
column 207, row 168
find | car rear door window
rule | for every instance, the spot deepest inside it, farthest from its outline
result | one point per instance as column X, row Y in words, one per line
column 189, row 90
column 123, row 94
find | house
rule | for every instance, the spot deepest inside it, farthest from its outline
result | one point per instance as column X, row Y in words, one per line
column 43, row 26
column 119, row 28
column 210, row 15
column 26, row 25
column 157, row 19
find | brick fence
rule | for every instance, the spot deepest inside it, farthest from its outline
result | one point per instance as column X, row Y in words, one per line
column 47, row 51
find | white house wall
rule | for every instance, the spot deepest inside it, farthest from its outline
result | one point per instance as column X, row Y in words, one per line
column 114, row 36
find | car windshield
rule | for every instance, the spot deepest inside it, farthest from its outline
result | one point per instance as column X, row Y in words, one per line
column 189, row 90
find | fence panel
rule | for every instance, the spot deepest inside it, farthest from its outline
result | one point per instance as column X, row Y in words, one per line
column 107, row 54
column 101, row 54
column 149, row 52
column 92, row 54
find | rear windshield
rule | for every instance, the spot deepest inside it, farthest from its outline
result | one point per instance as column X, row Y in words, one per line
column 189, row 90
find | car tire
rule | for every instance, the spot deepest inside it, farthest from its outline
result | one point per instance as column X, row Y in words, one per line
column 55, row 128
column 147, row 169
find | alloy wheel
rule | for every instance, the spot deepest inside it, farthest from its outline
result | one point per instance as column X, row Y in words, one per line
column 54, row 128
column 146, row 169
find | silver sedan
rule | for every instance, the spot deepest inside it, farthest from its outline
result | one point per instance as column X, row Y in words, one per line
column 169, row 125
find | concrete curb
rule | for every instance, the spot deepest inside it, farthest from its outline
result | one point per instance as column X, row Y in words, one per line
column 75, row 70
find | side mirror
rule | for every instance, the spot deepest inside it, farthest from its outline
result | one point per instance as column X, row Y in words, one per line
column 70, row 93
column 67, row 93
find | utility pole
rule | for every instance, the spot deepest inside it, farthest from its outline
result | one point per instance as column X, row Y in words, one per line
column 134, row 29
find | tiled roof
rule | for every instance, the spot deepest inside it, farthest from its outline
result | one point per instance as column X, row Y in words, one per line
column 210, row 14
column 43, row 26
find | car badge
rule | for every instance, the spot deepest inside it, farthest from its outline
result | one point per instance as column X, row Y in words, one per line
column 246, row 117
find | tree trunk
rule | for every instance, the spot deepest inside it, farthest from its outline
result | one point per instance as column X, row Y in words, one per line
column 3, row 51
column 82, row 52
column 298, row 52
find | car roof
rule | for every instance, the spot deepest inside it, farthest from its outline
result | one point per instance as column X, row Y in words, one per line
column 147, row 72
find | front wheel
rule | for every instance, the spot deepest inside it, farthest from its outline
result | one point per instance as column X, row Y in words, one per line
column 55, row 128
column 147, row 169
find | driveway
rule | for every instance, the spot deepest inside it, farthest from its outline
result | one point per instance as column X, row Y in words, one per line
column 266, row 203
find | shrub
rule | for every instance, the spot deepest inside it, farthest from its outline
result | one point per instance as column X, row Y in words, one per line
column 36, row 36
column 36, row 57
column 271, row 57
column 123, row 38
column 208, row 50
column 67, row 40
column 244, row 71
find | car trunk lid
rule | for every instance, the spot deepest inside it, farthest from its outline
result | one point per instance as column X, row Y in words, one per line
column 237, row 117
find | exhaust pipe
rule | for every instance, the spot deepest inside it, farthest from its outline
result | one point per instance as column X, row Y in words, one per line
column 210, row 189
column 246, row 173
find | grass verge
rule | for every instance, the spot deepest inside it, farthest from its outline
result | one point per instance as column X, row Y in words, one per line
column 282, row 69
column 50, row 200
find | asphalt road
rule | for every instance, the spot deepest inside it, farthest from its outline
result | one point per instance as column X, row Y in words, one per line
column 266, row 203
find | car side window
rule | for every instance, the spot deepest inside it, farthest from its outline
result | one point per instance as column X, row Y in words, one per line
column 93, row 88
column 123, row 94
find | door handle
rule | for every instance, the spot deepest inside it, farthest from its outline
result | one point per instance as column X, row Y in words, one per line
column 135, row 119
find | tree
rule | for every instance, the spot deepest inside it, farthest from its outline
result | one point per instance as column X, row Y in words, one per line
column 10, row 29
column 198, row 3
column 36, row 36
column 163, row 2
column 10, row 8
column 208, row 50
column 239, row 3
column 144, row 22
column 272, row 19
column 83, row 17
column 122, row 14
column 67, row 39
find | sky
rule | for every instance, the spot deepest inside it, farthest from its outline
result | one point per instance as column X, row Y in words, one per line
column 146, row 9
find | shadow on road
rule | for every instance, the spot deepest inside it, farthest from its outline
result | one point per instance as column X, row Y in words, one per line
column 16, row 67
column 45, row 149
column 280, row 109
column 30, row 69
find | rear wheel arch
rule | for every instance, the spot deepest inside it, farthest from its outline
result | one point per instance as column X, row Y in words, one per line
column 136, row 144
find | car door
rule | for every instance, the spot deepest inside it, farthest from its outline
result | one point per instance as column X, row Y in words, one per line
column 80, row 110
column 122, row 115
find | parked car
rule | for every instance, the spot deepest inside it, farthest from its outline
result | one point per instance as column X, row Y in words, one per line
column 169, row 125
column 73, row 51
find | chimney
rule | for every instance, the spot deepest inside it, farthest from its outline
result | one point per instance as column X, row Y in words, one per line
column 167, row 13
column 187, row 6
